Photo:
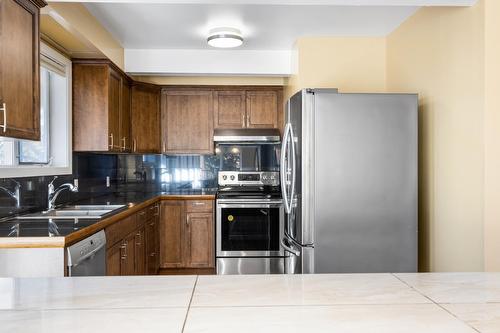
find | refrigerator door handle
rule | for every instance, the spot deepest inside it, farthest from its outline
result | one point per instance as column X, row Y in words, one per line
column 283, row 168
column 294, row 167
column 288, row 247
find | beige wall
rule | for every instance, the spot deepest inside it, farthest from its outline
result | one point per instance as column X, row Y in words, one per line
column 439, row 53
column 492, row 137
column 350, row 64
column 77, row 20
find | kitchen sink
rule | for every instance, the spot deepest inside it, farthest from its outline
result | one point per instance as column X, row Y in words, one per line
column 74, row 212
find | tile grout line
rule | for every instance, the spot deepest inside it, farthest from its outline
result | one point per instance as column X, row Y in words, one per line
column 189, row 305
column 436, row 303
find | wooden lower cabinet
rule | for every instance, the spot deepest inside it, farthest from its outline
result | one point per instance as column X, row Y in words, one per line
column 151, row 235
column 199, row 240
column 171, row 234
column 187, row 234
column 130, row 248
column 113, row 260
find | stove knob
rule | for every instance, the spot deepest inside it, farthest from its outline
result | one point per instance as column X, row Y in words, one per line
column 232, row 177
column 224, row 177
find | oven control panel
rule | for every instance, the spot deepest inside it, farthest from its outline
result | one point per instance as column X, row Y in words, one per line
column 248, row 178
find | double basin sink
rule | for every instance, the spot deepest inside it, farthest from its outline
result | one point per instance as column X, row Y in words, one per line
column 75, row 212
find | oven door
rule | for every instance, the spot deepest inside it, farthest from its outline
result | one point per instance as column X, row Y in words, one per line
column 249, row 228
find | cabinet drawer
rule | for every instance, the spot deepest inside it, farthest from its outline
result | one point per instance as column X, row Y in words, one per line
column 119, row 230
column 199, row 206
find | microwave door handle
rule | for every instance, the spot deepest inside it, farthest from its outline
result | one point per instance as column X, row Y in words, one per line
column 283, row 167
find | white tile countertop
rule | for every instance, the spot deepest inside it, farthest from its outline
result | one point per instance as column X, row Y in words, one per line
column 350, row 303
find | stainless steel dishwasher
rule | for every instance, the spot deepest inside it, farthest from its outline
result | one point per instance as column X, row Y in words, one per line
column 88, row 257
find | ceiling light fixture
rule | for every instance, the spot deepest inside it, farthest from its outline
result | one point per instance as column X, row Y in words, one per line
column 225, row 38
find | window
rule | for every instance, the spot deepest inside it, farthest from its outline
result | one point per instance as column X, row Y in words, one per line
column 52, row 154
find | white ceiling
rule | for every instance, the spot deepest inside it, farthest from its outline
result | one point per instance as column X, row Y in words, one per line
column 264, row 27
column 169, row 36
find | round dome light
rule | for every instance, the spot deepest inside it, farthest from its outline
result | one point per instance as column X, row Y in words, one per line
column 225, row 38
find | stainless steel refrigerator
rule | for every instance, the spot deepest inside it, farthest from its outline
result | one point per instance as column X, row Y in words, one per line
column 349, row 182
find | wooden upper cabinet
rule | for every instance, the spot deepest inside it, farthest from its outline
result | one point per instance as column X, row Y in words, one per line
column 262, row 109
column 125, row 132
column 101, row 107
column 187, row 121
column 229, row 109
column 145, row 118
column 114, row 109
column 20, row 68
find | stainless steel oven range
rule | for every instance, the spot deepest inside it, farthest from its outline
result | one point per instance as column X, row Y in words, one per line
column 249, row 223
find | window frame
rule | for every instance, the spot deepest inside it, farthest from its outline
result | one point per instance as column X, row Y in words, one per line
column 35, row 170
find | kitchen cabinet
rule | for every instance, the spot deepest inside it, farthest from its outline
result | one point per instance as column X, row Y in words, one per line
column 152, row 233
column 199, row 240
column 171, row 234
column 187, row 121
column 101, row 107
column 248, row 108
column 229, row 109
column 140, row 252
column 113, row 260
column 20, row 68
column 131, row 243
column 262, row 109
column 145, row 118
column 187, row 234
column 125, row 139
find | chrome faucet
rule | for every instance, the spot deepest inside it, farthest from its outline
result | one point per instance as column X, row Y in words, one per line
column 54, row 193
column 16, row 194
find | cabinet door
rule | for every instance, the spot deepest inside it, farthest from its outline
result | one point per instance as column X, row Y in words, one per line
column 150, row 247
column 262, row 109
column 229, row 109
column 140, row 252
column 19, row 70
column 114, row 259
column 128, row 256
column 171, row 233
column 90, row 107
column 114, row 93
column 145, row 119
column 187, row 121
column 199, row 240
column 125, row 141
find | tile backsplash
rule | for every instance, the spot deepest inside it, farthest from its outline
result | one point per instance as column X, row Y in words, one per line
column 126, row 173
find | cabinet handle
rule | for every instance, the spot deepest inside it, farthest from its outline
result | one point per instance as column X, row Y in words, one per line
column 124, row 257
column 124, row 246
column 4, row 110
column 111, row 139
column 152, row 254
column 124, row 147
column 243, row 117
column 134, row 145
column 164, row 147
column 198, row 204
column 248, row 120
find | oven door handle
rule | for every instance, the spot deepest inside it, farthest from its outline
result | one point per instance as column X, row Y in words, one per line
column 239, row 205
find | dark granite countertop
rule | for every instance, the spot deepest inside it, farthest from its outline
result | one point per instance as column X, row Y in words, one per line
column 43, row 228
